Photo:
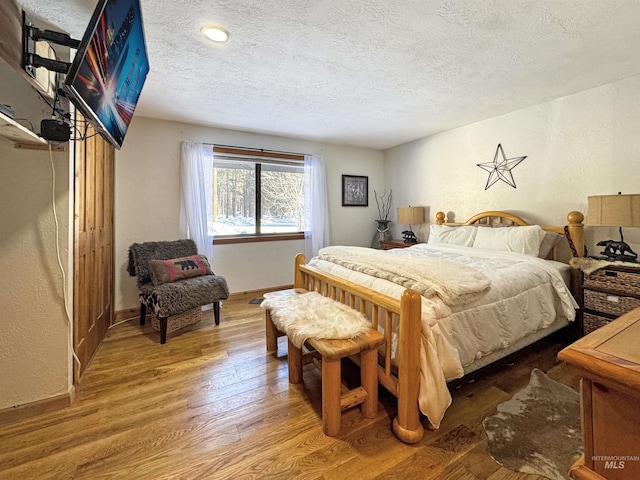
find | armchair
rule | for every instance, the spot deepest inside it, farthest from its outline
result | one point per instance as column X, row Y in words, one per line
column 171, row 288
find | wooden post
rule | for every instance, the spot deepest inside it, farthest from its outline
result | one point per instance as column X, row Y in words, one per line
column 298, row 281
column 369, row 381
column 407, row 424
column 331, row 413
column 143, row 313
column 163, row 330
column 576, row 231
column 294, row 361
column 216, row 312
column 271, row 333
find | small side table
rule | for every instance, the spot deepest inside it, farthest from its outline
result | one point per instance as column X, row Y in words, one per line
column 608, row 360
column 389, row 244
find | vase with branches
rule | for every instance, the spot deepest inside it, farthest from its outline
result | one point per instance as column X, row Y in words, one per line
column 384, row 204
column 383, row 231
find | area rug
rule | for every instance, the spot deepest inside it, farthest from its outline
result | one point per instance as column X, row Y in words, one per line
column 538, row 430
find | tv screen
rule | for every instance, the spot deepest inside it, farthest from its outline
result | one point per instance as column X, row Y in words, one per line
column 110, row 68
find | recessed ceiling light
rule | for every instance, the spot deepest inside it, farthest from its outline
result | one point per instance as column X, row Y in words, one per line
column 217, row 34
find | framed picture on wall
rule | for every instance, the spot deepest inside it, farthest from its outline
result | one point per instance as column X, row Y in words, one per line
column 355, row 191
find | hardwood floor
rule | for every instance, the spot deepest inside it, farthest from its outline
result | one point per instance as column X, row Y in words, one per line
column 210, row 404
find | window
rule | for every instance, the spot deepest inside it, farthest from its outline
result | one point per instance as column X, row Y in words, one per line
column 256, row 193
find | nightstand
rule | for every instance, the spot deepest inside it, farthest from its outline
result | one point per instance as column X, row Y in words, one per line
column 608, row 293
column 608, row 360
column 389, row 244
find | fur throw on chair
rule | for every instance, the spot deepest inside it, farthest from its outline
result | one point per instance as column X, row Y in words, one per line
column 176, row 297
column 141, row 253
column 180, row 293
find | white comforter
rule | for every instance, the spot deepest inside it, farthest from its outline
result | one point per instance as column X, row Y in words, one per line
column 526, row 294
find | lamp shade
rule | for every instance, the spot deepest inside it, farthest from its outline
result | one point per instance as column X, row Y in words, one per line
column 614, row 210
column 411, row 215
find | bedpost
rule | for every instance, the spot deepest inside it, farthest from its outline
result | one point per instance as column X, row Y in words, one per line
column 576, row 231
column 407, row 424
column 575, row 227
column 440, row 218
column 298, row 281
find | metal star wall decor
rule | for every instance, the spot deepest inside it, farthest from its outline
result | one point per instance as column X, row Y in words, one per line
column 500, row 170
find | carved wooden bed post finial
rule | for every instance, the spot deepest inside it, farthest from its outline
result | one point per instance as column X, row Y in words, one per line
column 576, row 231
column 440, row 218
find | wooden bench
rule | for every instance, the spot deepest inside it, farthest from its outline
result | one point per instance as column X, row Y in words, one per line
column 364, row 349
column 334, row 402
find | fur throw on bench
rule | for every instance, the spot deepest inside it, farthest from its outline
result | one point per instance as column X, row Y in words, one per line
column 311, row 315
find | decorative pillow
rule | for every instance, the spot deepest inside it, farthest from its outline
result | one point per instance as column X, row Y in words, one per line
column 174, row 269
column 510, row 239
column 550, row 240
column 463, row 235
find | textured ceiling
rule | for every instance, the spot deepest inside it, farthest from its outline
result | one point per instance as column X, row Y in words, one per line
column 374, row 73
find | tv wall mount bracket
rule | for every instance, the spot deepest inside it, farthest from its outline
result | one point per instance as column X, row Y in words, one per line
column 31, row 60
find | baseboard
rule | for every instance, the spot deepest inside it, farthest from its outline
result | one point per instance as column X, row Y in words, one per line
column 127, row 314
column 28, row 410
column 259, row 292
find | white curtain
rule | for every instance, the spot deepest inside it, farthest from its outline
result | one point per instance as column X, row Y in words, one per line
column 317, row 234
column 196, row 177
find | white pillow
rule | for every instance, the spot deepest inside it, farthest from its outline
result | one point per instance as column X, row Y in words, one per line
column 462, row 235
column 511, row 239
column 551, row 239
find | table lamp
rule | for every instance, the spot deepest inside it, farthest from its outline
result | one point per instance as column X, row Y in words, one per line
column 410, row 215
column 615, row 211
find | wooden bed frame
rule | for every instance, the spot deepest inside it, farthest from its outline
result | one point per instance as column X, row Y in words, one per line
column 402, row 379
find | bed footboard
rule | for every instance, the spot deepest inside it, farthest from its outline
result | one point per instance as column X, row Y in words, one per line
column 401, row 379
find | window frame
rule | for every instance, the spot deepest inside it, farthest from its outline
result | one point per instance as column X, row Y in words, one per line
column 268, row 155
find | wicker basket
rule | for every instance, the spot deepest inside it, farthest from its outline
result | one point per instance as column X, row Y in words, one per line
column 627, row 282
column 176, row 322
column 613, row 304
column 593, row 322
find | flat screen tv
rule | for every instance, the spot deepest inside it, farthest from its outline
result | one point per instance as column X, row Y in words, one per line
column 110, row 68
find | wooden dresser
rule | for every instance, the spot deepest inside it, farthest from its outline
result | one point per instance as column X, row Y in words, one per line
column 608, row 293
column 608, row 361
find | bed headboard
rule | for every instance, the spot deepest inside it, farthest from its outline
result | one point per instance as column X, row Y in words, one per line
column 573, row 231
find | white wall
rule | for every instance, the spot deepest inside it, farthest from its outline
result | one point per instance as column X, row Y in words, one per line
column 580, row 145
column 148, row 190
column 35, row 360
